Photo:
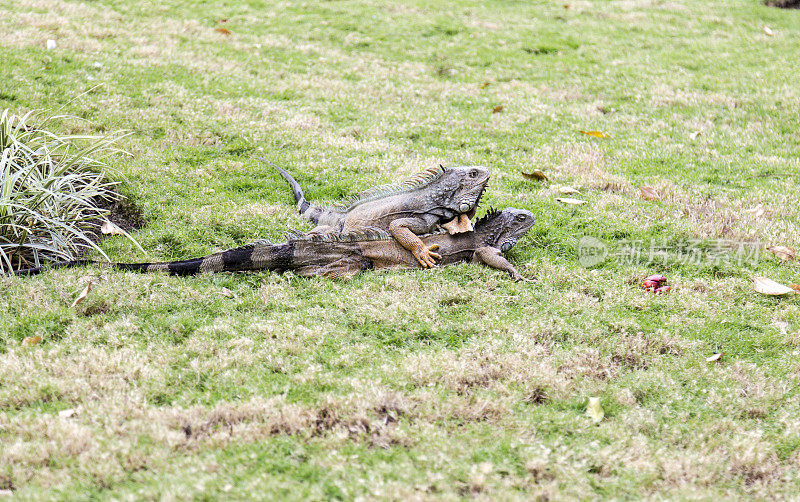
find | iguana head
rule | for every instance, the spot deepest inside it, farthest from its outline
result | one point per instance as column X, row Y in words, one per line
column 444, row 192
column 502, row 229
column 459, row 189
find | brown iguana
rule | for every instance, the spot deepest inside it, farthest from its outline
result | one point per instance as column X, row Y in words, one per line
column 348, row 254
column 446, row 196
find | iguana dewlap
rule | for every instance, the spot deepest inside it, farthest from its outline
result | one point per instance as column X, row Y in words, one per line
column 459, row 225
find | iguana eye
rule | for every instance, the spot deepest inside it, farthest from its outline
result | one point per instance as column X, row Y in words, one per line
column 505, row 247
column 473, row 173
column 521, row 217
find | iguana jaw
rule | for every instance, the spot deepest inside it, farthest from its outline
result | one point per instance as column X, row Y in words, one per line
column 463, row 222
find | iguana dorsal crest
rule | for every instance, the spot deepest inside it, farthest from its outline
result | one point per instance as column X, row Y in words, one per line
column 490, row 215
column 361, row 235
column 374, row 234
column 419, row 180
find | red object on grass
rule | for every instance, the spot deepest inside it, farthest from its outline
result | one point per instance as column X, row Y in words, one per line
column 656, row 284
column 649, row 285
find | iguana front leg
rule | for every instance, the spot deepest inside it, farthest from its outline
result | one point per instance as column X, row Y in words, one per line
column 494, row 258
column 405, row 230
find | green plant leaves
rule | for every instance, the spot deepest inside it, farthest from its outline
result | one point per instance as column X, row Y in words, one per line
column 50, row 187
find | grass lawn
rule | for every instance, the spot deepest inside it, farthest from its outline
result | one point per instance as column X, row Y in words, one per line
column 444, row 384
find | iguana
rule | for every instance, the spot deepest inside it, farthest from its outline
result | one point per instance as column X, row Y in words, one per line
column 345, row 255
column 446, row 196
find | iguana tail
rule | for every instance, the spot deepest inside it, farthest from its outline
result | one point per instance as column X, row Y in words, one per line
column 257, row 256
column 186, row 267
column 307, row 209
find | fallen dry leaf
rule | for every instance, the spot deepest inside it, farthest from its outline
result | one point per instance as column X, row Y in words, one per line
column 649, row 193
column 109, row 228
column 497, row 109
column 83, row 294
column 535, row 175
column 6, row 493
column 68, row 413
column 226, row 292
column 484, row 85
column 566, row 190
column 783, row 326
column 756, row 210
column 795, row 287
column 769, row 287
column 30, row 341
column 595, row 410
column 596, row 134
column 714, row 357
column 785, row 253
column 224, row 31
column 768, row 32
column 574, row 202
column 693, row 136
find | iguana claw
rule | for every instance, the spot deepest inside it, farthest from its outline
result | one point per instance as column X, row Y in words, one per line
column 521, row 278
column 426, row 257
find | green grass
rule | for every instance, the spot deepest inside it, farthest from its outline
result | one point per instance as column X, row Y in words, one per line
column 405, row 384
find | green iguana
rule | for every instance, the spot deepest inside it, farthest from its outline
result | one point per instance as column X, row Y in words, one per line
column 348, row 254
column 442, row 196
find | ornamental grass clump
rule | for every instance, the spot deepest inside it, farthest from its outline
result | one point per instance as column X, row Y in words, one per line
column 51, row 187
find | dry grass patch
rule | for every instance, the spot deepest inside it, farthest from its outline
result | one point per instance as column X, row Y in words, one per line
column 44, row 441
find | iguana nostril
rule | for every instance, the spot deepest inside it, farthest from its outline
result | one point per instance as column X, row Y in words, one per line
column 464, row 207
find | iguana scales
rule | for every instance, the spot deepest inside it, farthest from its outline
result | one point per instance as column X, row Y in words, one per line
column 442, row 196
column 345, row 255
